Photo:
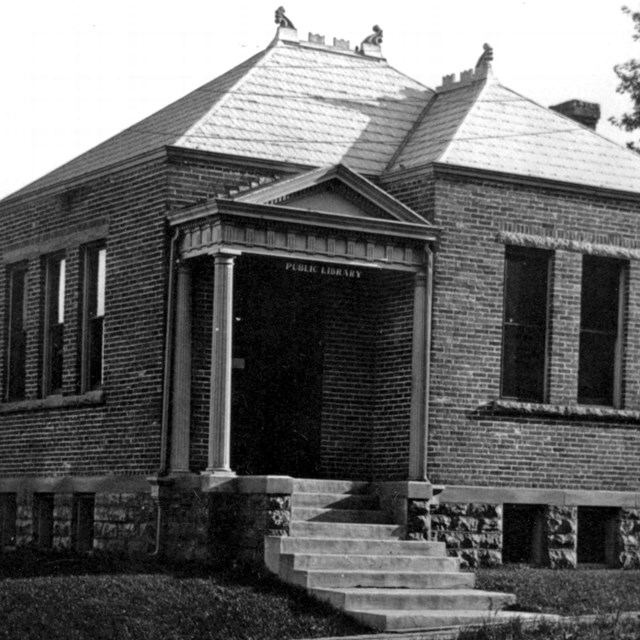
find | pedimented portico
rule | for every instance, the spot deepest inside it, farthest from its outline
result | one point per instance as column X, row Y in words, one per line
column 318, row 298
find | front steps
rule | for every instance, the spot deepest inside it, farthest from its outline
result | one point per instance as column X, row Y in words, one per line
column 345, row 551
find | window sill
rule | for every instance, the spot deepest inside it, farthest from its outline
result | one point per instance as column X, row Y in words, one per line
column 91, row 398
column 571, row 411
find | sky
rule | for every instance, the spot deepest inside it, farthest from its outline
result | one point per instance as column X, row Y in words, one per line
column 76, row 72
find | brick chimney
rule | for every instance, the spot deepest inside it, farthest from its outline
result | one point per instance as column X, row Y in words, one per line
column 586, row 113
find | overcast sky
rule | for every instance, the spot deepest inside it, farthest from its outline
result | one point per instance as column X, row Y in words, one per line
column 75, row 72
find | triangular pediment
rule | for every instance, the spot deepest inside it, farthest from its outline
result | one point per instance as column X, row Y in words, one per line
column 334, row 190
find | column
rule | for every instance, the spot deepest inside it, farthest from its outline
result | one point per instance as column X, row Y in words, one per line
column 181, row 379
column 220, row 407
column 419, row 428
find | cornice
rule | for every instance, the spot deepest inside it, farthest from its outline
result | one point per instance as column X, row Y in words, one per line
column 240, row 161
column 63, row 185
column 439, row 169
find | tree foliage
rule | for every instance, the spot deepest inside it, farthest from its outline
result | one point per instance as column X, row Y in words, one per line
column 629, row 75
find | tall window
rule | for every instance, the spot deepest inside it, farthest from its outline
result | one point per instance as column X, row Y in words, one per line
column 95, row 261
column 16, row 321
column 54, row 323
column 525, row 323
column 601, row 331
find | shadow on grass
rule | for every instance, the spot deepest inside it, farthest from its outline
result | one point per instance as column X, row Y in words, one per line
column 61, row 595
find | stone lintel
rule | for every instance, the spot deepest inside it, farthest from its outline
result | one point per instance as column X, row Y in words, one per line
column 522, row 495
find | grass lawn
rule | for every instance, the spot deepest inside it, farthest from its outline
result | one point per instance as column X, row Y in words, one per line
column 605, row 593
column 70, row 598
column 98, row 599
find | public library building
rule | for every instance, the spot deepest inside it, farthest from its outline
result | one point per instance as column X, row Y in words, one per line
column 315, row 268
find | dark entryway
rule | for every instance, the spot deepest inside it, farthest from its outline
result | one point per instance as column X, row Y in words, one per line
column 277, row 376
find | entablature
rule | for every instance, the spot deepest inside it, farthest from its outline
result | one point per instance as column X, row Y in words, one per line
column 278, row 231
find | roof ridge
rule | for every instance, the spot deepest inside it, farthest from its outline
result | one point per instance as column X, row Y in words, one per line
column 418, row 121
column 578, row 125
column 259, row 57
column 483, row 84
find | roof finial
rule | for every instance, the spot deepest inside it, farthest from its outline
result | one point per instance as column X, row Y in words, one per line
column 485, row 60
column 370, row 46
column 375, row 38
column 282, row 20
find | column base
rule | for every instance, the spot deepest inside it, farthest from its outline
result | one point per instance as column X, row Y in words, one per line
column 218, row 479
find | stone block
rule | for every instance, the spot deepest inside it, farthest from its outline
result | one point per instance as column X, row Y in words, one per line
column 562, row 559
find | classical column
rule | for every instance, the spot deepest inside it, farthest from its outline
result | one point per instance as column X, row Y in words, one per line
column 220, row 407
column 420, row 373
column 181, row 379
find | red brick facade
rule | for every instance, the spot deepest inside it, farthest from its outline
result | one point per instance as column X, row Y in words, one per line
column 471, row 442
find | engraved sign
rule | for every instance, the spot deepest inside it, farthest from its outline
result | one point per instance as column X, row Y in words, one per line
column 323, row 270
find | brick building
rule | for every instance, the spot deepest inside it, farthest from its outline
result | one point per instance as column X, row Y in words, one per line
column 316, row 267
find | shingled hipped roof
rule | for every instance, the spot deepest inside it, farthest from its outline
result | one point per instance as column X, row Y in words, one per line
column 294, row 102
column 318, row 106
column 485, row 125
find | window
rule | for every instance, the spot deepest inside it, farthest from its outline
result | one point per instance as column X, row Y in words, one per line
column 525, row 323
column 82, row 521
column 8, row 515
column 54, row 324
column 523, row 533
column 43, row 520
column 16, row 322
column 599, row 373
column 596, row 535
column 95, row 260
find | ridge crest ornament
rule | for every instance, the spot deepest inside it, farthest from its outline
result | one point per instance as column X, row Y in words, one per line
column 282, row 20
column 370, row 46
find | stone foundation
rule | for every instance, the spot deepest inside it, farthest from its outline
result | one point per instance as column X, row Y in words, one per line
column 225, row 520
column 241, row 521
column 124, row 523
column 472, row 532
column 62, row 512
column 561, row 526
column 628, row 538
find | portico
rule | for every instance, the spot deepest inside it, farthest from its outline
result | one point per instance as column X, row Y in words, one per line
column 327, row 244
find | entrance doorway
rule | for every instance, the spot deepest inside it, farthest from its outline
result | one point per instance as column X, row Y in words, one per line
column 277, row 369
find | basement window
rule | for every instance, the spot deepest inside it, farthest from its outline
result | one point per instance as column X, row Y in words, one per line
column 522, row 533
column 601, row 331
column 524, row 338
column 596, row 535
column 82, row 521
column 43, row 520
column 8, row 517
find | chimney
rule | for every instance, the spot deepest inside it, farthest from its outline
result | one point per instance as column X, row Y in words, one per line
column 586, row 113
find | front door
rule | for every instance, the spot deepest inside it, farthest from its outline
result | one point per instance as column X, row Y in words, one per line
column 277, row 375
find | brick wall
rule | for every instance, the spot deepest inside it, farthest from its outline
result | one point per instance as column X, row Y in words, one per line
column 469, row 443
column 192, row 180
column 120, row 434
column 393, row 298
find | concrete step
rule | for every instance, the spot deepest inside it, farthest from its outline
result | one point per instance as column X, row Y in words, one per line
column 359, row 546
column 361, row 562
column 402, row 620
column 398, row 580
column 360, row 599
column 335, row 500
column 301, row 485
column 344, row 530
column 364, row 516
